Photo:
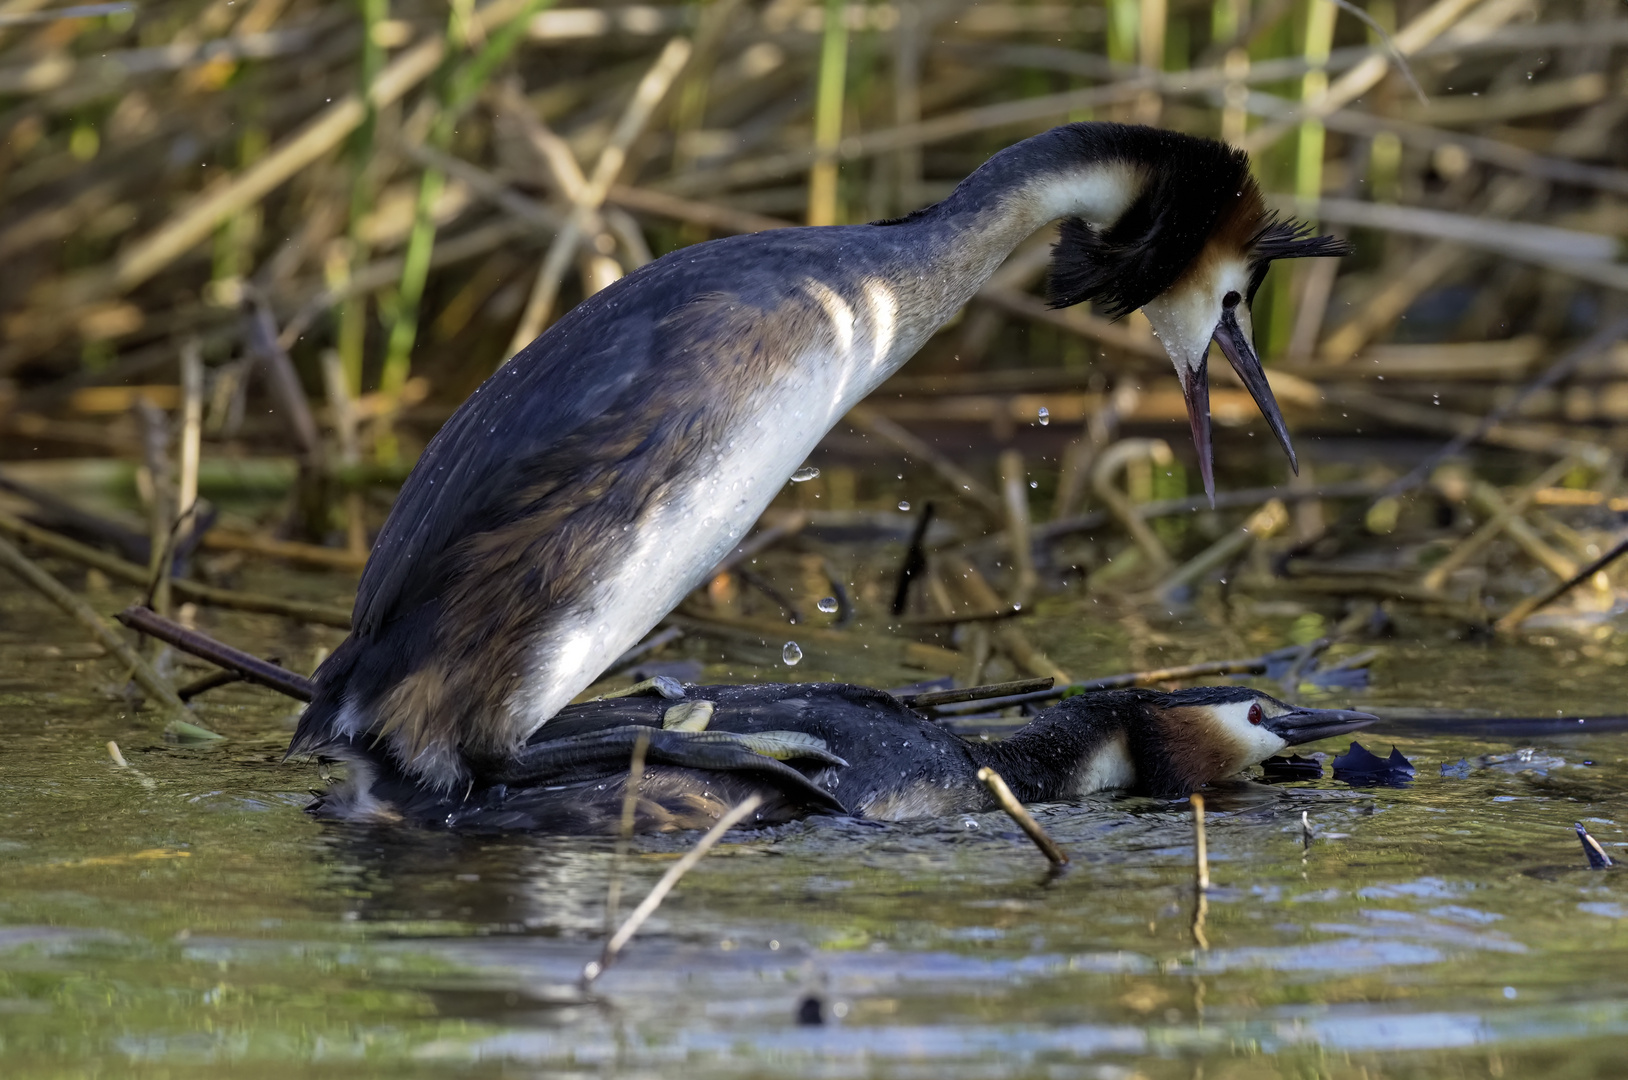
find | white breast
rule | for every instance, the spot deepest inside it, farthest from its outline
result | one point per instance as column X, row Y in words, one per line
column 1110, row 768
column 687, row 530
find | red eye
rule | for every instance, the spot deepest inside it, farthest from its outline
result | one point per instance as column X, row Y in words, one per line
column 1255, row 714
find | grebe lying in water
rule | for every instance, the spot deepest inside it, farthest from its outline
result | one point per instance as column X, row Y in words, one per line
column 829, row 748
column 594, row 481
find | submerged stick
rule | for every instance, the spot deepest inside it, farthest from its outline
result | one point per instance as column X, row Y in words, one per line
column 250, row 667
column 151, row 683
column 595, row 968
column 1020, row 814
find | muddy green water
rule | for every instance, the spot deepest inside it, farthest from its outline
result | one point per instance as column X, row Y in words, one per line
column 185, row 918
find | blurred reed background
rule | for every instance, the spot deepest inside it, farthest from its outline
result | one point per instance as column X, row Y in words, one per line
column 268, row 245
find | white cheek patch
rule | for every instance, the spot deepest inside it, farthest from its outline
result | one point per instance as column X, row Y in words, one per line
column 1184, row 319
column 1185, row 316
column 1253, row 742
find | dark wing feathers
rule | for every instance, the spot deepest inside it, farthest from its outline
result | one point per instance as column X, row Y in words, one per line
column 533, row 403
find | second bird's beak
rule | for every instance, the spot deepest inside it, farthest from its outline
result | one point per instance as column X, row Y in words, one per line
column 1308, row 725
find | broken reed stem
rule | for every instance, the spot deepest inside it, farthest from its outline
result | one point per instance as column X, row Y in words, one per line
column 250, row 667
column 590, row 196
column 1201, row 879
column 186, row 487
column 155, row 431
column 595, row 968
column 1020, row 814
column 151, row 683
column 1472, row 545
column 1015, row 493
column 630, row 804
column 128, row 572
column 977, row 693
column 1200, row 854
column 142, row 778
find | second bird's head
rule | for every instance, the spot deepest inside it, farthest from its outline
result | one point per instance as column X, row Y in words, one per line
column 1191, row 251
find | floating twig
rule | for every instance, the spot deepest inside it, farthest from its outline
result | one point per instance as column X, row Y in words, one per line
column 1020, row 814
column 652, row 901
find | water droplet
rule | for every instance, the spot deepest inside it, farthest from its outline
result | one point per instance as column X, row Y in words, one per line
column 792, row 653
column 904, row 504
column 807, row 472
column 828, row 605
column 1045, row 416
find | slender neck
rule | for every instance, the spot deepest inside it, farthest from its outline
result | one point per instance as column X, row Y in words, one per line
column 1043, row 761
column 1054, row 175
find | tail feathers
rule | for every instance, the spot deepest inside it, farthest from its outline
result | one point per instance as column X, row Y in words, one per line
column 321, row 725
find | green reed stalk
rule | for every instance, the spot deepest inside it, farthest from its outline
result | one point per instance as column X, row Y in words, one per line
column 828, row 105
column 353, row 312
column 459, row 89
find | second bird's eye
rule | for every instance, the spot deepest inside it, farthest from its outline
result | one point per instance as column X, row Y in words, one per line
column 1255, row 714
column 1230, row 300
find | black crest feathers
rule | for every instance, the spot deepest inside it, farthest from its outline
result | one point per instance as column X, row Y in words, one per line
column 1192, row 188
column 1293, row 239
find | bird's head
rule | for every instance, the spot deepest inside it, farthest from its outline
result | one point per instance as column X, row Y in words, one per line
column 1212, row 731
column 1191, row 250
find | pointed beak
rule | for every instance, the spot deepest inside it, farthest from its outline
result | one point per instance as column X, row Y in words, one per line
column 1240, row 353
column 1195, row 386
column 1308, row 725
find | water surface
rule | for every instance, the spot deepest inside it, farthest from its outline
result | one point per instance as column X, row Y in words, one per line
column 184, row 917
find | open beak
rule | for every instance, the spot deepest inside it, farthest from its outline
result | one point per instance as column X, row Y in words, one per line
column 1195, row 386
column 1240, row 354
column 1308, row 725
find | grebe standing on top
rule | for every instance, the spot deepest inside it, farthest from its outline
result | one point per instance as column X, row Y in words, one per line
column 591, row 483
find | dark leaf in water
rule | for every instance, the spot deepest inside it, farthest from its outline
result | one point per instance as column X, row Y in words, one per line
column 811, row 1011
column 1281, row 770
column 1459, row 770
column 1597, row 858
column 1358, row 767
